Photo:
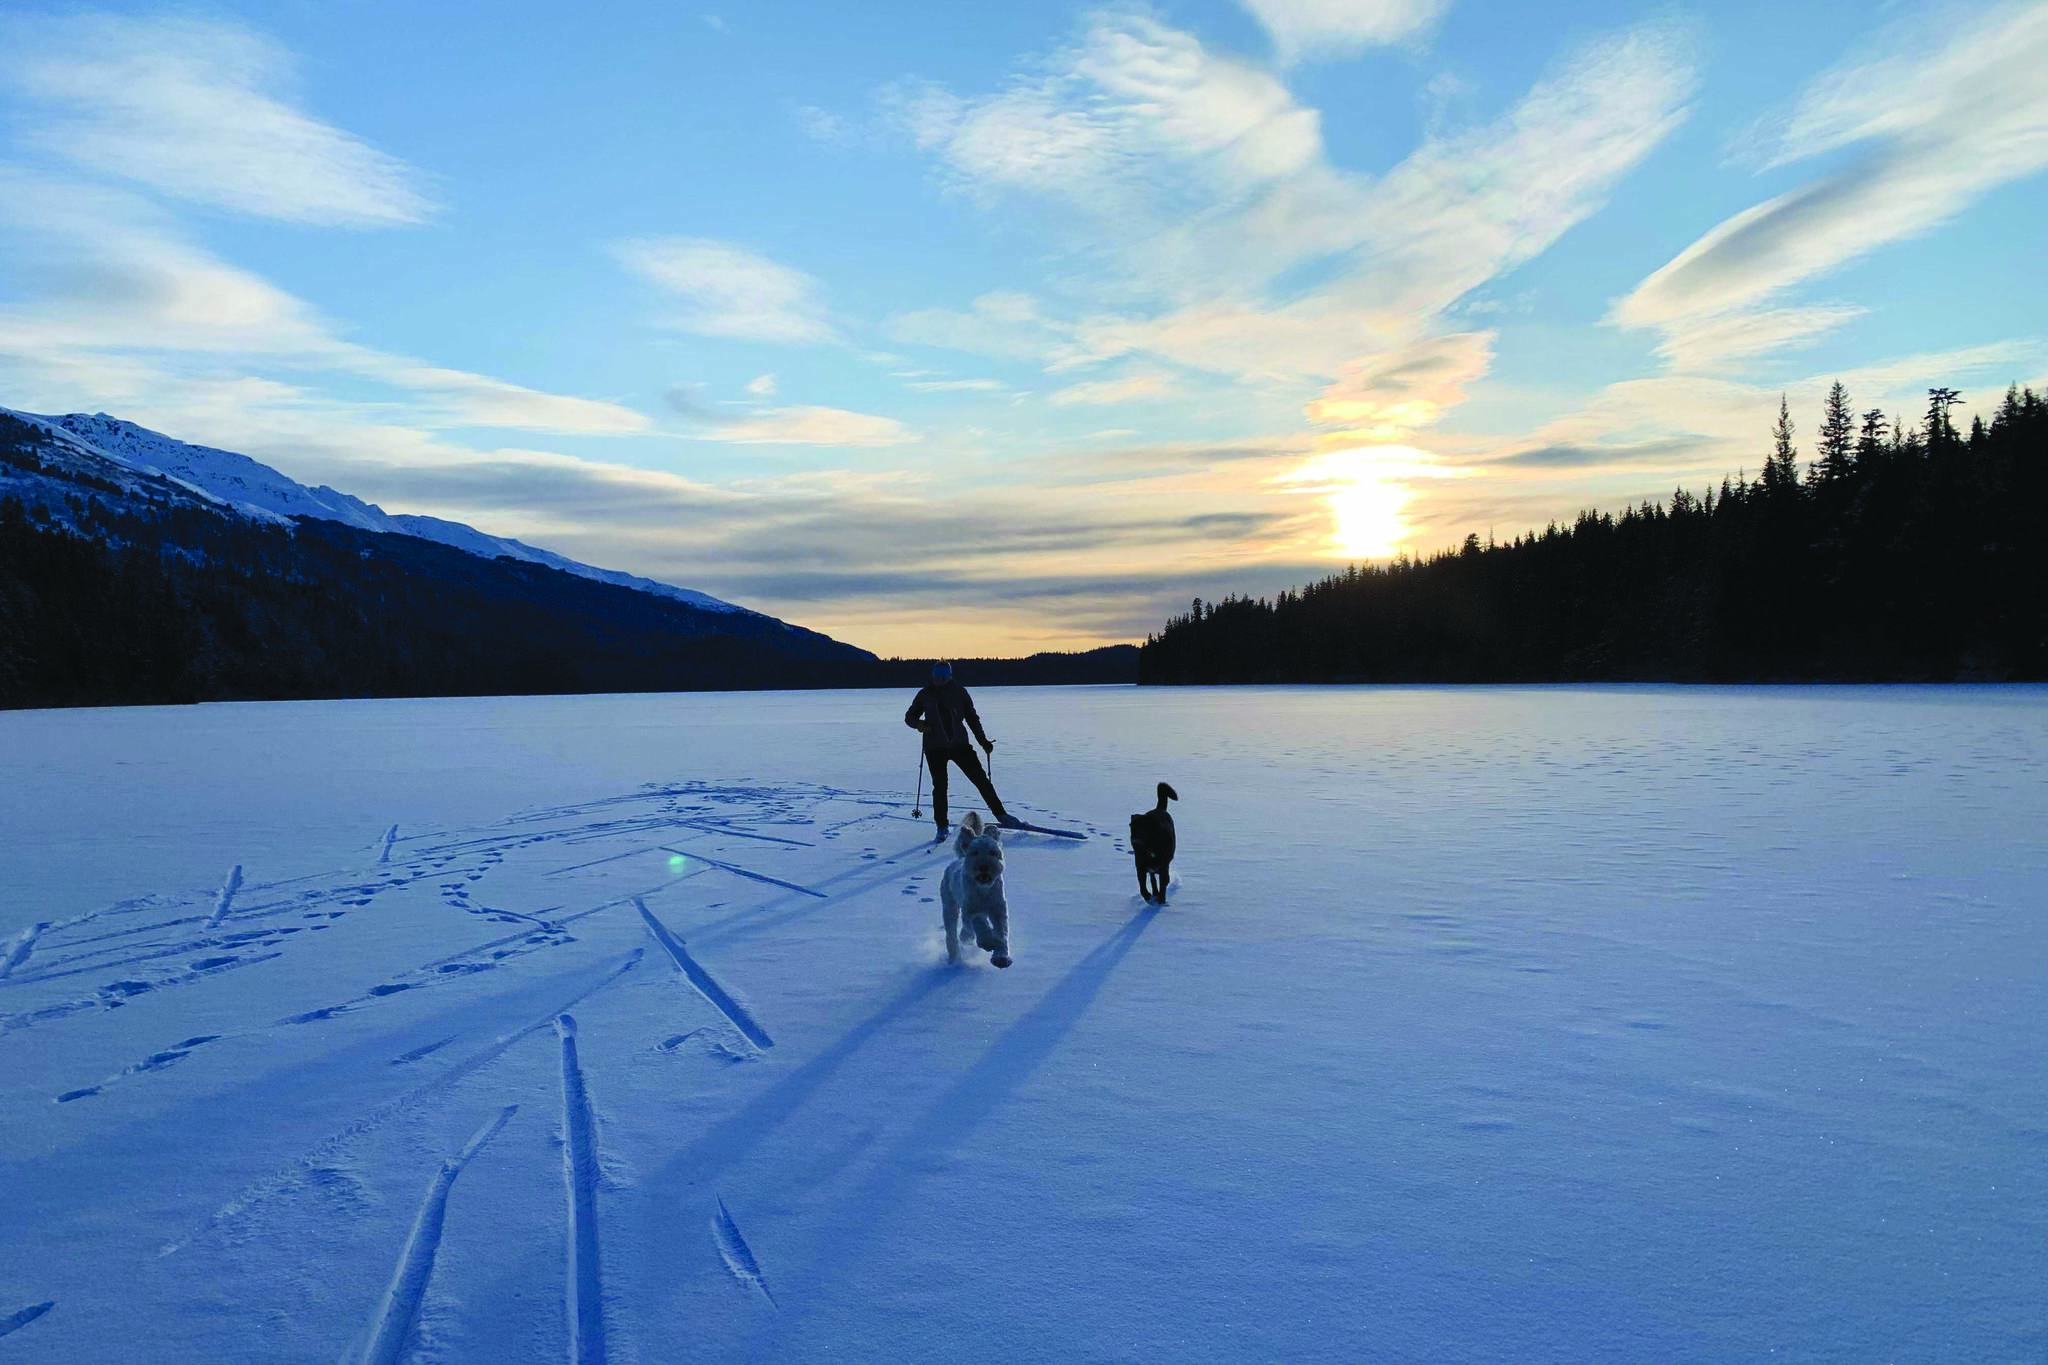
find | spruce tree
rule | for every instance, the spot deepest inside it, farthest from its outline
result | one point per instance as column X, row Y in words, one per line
column 1837, row 436
column 1941, row 431
column 1781, row 470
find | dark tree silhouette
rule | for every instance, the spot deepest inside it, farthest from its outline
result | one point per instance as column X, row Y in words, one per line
column 1781, row 470
column 1837, row 443
column 1914, row 553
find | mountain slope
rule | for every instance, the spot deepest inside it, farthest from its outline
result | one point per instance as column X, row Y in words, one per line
column 253, row 487
column 124, row 583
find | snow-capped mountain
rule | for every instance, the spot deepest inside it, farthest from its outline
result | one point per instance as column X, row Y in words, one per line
column 238, row 483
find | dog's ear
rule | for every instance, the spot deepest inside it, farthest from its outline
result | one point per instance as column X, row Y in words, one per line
column 993, row 833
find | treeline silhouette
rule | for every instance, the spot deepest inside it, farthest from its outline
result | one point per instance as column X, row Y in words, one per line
column 1904, row 552
column 1109, row 664
column 188, row 605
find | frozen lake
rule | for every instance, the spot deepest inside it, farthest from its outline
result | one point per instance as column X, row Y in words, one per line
column 1545, row 1024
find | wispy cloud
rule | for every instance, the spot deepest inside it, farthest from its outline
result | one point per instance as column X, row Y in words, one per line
column 1388, row 396
column 1003, row 325
column 1128, row 388
column 956, row 385
column 1131, row 127
column 1942, row 118
column 823, row 125
column 720, row 289
column 200, row 110
column 478, row 400
column 1701, row 426
column 867, row 557
column 1204, row 190
column 811, row 426
column 1204, row 180
column 1337, row 28
column 1717, row 339
column 113, row 282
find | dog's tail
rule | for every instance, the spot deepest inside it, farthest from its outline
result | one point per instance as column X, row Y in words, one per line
column 970, row 830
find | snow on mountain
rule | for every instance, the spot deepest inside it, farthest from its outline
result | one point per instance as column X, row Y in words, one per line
column 252, row 488
column 69, row 459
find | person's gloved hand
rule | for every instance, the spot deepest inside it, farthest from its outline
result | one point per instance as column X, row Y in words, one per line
column 988, row 746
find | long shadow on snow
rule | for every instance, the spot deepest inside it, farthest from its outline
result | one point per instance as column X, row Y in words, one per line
column 731, row 1139
column 887, row 868
column 761, row 918
column 1009, row 1062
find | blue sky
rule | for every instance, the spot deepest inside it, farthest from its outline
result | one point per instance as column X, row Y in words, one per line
column 963, row 329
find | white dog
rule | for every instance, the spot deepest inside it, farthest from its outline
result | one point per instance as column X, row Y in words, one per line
column 973, row 887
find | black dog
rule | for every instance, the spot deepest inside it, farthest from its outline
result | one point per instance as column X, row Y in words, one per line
column 1152, row 846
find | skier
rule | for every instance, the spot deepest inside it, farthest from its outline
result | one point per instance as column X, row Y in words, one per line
column 944, row 712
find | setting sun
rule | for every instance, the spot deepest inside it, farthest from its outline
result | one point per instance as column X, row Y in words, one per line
column 1367, row 490
column 1368, row 518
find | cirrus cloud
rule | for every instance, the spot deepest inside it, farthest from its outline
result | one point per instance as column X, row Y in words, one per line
column 1384, row 397
column 1944, row 118
column 1105, row 392
column 199, row 110
column 811, row 426
column 1337, row 28
column 721, row 289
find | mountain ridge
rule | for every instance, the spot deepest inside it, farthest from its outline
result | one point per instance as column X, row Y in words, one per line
column 253, row 488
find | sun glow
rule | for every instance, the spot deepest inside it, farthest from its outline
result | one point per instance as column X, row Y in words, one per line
column 1368, row 518
column 1367, row 491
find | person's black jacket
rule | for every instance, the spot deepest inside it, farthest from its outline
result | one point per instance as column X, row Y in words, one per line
column 948, row 714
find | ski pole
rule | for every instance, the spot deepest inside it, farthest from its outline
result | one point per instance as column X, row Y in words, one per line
column 916, row 806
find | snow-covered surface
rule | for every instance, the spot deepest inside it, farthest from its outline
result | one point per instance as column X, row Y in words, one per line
column 1484, row 1025
column 68, row 455
column 255, row 489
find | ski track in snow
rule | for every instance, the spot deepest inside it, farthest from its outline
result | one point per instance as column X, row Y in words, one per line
column 21, row 1318
column 213, row 952
column 739, row 871
column 227, row 897
column 727, row 827
column 116, row 994
column 841, row 1194
column 424, row 1050
column 24, row 944
column 307, row 905
column 738, row 1256
column 439, row 969
column 296, row 1173
column 400, row 1309
column 707, row 986
column 856, row 880
column 584, row 1293
column 156, row 1061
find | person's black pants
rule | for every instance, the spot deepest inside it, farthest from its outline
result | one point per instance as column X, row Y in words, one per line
column 970, row 764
